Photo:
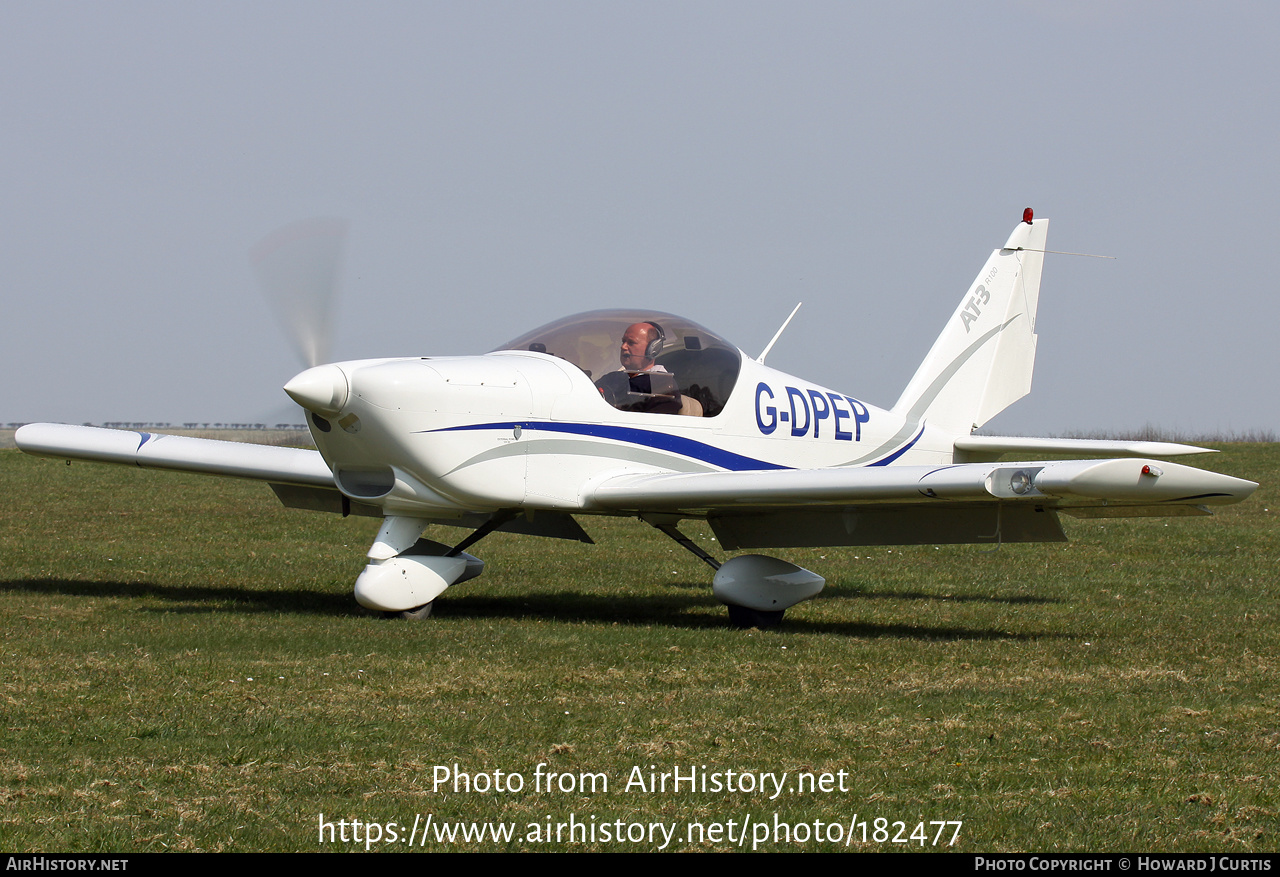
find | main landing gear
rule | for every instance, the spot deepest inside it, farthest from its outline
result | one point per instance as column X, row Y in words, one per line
column 757, row 589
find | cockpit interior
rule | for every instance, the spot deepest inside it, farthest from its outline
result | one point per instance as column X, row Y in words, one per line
column 687, row 369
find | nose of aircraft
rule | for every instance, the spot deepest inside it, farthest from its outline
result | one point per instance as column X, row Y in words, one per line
column 322, row 389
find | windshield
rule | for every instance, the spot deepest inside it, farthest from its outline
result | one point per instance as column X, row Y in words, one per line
column 699, row 363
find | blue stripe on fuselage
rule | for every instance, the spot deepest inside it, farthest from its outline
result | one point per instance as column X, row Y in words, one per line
column 898, row 453
column 660, row 440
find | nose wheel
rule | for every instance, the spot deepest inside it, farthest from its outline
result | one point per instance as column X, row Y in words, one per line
column 404, row 569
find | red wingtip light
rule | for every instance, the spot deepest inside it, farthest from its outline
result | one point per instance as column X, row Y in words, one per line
column 1027, row 215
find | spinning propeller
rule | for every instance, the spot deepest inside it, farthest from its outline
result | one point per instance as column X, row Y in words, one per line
column 298, row 269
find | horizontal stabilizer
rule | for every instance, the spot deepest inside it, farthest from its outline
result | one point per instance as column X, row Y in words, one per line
column 985, row 448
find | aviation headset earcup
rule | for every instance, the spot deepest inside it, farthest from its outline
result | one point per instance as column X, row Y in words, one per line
column 655, row 346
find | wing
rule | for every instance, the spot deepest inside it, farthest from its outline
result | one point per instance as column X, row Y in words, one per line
column 292, row 466
column 300, row 478
column 903, row 505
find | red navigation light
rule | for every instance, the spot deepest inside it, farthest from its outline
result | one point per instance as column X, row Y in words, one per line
column 1027, row 215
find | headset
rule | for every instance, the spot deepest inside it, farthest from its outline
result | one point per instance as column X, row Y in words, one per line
column 655, row 346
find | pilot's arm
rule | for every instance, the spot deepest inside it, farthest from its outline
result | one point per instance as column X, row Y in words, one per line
column 655, row 392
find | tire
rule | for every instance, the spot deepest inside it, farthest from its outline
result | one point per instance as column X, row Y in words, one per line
column 417, row 614
column 760, row 619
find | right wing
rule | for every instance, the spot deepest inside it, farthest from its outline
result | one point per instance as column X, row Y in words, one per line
column 150, row 450
column 299, row 477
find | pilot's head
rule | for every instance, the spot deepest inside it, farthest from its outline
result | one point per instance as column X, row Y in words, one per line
column 640, row 344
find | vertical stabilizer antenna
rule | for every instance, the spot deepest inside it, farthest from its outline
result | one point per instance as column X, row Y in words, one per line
column 778, row 334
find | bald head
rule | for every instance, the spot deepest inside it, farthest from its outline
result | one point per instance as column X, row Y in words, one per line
column 635, row 344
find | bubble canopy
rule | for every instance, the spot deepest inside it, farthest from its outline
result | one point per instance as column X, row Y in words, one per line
column 705, row 366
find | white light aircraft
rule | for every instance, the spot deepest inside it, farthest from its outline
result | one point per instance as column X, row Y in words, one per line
column 548, row 427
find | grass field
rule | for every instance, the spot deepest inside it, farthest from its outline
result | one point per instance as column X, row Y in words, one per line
column 184, row 669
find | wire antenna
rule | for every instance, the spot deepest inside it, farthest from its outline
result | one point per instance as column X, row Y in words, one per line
column 777, row 335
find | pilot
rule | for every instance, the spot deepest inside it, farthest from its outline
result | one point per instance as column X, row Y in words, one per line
column 641, row 344
column 641, row 384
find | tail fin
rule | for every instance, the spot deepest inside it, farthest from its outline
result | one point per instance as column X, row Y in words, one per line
column 982, row 362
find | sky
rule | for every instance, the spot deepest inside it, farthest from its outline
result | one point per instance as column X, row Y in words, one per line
column 501, row 164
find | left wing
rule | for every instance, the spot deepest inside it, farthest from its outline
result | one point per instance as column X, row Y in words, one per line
column 1145, row 483
column 964, row 502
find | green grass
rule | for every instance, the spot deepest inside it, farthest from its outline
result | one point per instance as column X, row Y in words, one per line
column 183, row 667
